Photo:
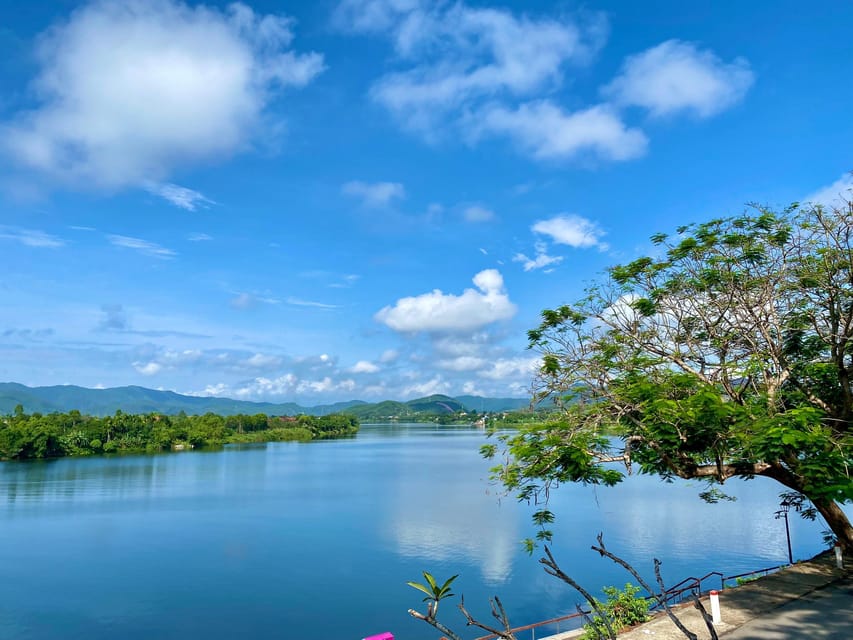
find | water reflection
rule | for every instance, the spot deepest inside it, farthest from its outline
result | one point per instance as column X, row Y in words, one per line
column 255, row 541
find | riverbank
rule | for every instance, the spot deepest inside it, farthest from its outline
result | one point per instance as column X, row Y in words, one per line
column 749, row 602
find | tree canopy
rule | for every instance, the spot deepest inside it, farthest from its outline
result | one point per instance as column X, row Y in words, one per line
column 728, row 353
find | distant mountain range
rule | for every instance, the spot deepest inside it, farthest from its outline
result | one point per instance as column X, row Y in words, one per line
column 101, row 402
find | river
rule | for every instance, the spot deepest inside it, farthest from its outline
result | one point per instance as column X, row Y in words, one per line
column 317, row 540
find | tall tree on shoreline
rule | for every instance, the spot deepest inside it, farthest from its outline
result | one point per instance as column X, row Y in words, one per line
column 729, row 354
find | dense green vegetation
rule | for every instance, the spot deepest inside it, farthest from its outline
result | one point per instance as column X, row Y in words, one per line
column 436, row 408
column 25, row 436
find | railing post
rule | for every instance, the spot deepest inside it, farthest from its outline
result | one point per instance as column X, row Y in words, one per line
column 715, row 607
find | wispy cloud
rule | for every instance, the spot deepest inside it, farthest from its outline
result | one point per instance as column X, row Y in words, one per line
column 541, row 260
column 246, row 300
column 298, row 302
column 142, row 246
column 835, row 194
column 459, row 56
column 31, row 237
column 181, row 197
column 478, row 213
column 199, row 237
column 374, row 194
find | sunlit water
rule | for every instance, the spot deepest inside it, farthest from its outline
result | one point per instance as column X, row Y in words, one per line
column 317, row 540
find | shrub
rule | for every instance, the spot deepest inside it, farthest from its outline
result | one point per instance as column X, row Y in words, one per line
column 623, row 608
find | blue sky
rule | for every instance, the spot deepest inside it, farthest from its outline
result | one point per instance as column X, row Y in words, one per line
column 376, row 198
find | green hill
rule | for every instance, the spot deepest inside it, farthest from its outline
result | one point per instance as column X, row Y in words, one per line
column 136, row 400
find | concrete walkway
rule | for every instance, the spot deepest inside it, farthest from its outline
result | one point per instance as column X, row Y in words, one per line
column 797, row 602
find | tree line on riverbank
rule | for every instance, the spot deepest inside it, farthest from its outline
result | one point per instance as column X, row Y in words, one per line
column 30, row 436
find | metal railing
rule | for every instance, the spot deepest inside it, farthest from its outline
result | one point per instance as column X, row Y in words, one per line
column 673, row 595
column 544, row 623
column 757, row 573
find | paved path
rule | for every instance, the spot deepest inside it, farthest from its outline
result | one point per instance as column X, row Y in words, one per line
column 826, row 614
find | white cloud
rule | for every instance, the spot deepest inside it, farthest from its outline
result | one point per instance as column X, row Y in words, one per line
column 462, row 363
column 471, row 388
column 541, row 260
column 129, row 91
column 147, row 368
column 372, row 15
column 459, row 55
column 835, row 194
column 438, row 312
column 142, row 246
column 243, row 301
column 477, row 213
column 31, row 237
column 508, row 368
column 458, row 63
column 547, row 132
column 454, row 346
column 374, row 194
column 427, row 388
column 199, row 237
column 262, row 361
column 287, row 386
column 677, row 76
column 179, row 196
column 388, row 356
column 299, row 302
column 364, row 366
column 572, row 230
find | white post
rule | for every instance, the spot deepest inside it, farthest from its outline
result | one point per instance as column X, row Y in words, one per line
column 715, row 607
column 838, row 560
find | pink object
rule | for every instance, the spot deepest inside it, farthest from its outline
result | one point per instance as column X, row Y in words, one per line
column 381, row 636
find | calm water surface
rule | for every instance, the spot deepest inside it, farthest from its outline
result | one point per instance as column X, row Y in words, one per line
column 317, row 540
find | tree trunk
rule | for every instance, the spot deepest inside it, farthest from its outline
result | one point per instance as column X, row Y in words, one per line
column 837, row 521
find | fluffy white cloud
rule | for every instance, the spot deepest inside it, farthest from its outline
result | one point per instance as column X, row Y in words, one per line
column 364, row 366
column 179, row 196
column 31, row 237
column 374, row 194
column 128, row 91
column 142, row 246
column 438, row 311
column 677, row 76
column 541, row 260
column 545, row 131
column 835, row 194
column 572, row 230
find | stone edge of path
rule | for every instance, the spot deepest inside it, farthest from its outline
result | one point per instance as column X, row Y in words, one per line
column 742, row 603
